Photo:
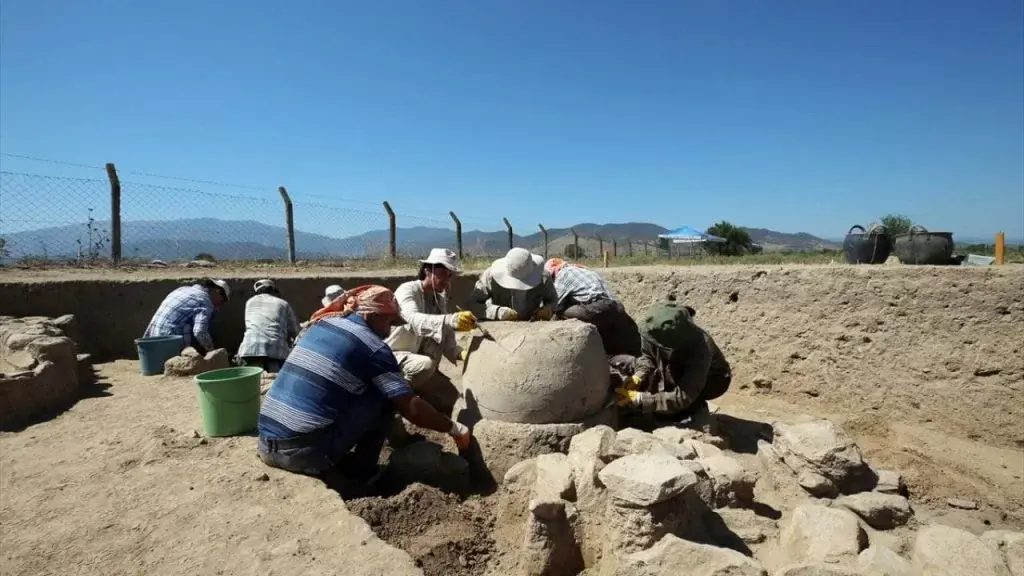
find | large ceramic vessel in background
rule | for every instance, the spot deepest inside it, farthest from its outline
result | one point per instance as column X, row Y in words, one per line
column 870, row 246
column 923, row 247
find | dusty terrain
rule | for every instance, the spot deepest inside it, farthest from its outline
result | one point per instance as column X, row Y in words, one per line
column 923, row 366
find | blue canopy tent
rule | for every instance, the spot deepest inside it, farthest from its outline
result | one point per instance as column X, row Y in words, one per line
column 689, row 237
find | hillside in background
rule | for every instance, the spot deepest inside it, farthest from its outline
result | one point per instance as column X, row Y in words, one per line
column 248, row 240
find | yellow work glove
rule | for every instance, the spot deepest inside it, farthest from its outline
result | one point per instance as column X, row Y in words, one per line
column 626, row 396
column 542, row 314
column 633, row 382
column 464, row 321
column 464, row 354
column 507, row 314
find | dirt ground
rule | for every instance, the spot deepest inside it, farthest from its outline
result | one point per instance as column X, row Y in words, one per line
column 923, row 366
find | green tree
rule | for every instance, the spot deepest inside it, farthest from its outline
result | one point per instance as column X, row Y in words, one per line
column 3, row 248
column 205, row 256
column 896, row 224
column 737, row 240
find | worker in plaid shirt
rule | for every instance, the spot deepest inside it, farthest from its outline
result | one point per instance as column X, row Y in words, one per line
column 187, row 312
column 583, row 295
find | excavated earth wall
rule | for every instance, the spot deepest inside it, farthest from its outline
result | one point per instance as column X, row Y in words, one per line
column 940, row 344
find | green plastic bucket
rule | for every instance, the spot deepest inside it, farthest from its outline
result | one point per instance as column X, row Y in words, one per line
column 229, row 399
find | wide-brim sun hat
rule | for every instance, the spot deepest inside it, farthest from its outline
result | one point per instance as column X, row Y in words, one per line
column 518, row 270
column 330, row 293
column 223, row 288
column 445, row 257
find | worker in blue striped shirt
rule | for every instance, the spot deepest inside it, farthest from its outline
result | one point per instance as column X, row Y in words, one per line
column 332, row 404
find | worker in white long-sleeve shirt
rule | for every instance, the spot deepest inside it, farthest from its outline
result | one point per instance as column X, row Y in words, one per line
column 429, row 329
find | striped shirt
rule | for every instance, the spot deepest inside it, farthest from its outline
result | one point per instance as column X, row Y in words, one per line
column 575, row 285
column 270, row 323
column 185, row 312
column 337, row 361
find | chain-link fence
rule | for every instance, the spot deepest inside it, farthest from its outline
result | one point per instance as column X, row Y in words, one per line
column 102, row 220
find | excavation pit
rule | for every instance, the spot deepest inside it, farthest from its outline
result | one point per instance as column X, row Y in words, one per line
column 446, row 535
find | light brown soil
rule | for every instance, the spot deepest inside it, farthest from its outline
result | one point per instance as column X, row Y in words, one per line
column 924, row 367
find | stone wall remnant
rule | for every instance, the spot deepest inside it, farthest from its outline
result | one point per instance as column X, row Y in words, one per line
column 41, row 370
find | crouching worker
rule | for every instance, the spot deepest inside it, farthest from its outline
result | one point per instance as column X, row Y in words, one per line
column 514, row 287
column 583, row 295
column 188, row 311
column 679, row 370
column 330, row 408
column 429, row 331
column 270, row 328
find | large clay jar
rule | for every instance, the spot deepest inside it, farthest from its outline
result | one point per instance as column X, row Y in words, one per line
column 923, row 247
column 536, row 372
column 870, row 246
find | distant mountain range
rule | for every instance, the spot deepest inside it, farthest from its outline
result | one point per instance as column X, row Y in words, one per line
column 249, row 240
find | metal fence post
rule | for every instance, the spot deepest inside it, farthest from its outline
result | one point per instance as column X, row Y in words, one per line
column 544, row 231
column 115, row 214
column 289, row 222
column 600, row 246
column 458, row 232
column 575, row 244
column 615, row 248
column 392, row 232
column 508, row 226
column 629, row 242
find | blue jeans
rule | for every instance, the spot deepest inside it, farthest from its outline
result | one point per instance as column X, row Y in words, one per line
column 361, row 431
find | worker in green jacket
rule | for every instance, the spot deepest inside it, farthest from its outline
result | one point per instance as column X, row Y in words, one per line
column 679, row 370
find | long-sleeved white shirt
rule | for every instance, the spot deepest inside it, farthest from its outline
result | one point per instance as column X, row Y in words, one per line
column 270, row 324
column 427, row 319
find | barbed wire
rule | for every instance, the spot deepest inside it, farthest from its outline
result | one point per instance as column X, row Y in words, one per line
column 67, row 218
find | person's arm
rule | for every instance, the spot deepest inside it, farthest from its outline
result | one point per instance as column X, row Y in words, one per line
column 293, row 324
column 480, row 303
column 562, row 296
column 547, row 299
column 201, row 327
column 389, row 381
column 425, row 325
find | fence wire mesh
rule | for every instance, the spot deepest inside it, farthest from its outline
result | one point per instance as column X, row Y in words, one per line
column 54, row 217
column 45, row 218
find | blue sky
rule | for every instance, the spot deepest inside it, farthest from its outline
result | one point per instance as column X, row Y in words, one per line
column 791, row 115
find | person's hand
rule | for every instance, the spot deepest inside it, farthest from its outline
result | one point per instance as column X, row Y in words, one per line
column 461, row 435
column 626, row 396
column 463, row 321
column 463, row 354
column 633, row 382
column 507, row 314
column 542, row 314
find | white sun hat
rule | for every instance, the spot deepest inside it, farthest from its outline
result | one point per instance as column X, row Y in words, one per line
column 518, row 270
column 224, row 288
column 444, row 257
column 331, row 293
column 261, row 284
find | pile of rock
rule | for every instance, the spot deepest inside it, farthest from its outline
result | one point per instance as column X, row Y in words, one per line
column 41, row 369
column 633, row 503
column 191, row 363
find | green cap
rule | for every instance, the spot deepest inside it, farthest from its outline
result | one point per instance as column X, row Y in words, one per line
column 669, row 324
